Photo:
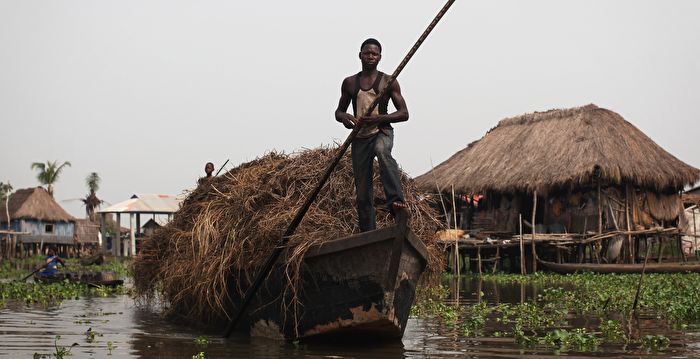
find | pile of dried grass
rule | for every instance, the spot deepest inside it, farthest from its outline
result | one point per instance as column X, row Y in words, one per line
column 234, row 221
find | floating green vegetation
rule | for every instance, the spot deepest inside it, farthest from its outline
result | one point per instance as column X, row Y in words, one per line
column 548, row 319
column 199, row 355
column 59, row 351
column 671, row 296
column 201, row 341
column 48, row 294
column 655, row 342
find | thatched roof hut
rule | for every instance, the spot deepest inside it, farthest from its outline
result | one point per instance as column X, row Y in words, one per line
column 35, row 204
column 87, row 231
column 559, row 148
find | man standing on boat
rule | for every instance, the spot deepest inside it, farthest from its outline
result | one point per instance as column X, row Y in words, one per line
column 376, row 135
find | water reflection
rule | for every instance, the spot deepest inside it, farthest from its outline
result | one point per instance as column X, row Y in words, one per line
column 139, row 333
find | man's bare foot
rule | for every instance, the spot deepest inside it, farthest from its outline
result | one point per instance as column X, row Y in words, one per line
column 398, row 205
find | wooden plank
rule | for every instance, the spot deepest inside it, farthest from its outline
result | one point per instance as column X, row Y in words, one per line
column 354, row 241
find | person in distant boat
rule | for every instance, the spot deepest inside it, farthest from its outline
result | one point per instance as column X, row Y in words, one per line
column 376, row 135
column 51, row 264
column 208, row 169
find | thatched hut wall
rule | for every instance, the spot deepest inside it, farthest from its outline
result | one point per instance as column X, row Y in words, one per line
column 576, row 210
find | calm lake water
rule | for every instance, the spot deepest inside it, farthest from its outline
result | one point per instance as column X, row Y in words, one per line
column 138, row 333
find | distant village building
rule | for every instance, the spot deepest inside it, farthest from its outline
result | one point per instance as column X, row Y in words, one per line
column 38, row 217
column 134, row 207
column 578, row 173
column 150, row 227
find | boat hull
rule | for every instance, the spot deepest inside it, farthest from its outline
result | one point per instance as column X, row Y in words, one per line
column 362, row 285
column 103, row 278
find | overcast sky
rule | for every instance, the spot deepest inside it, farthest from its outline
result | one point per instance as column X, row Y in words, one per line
column 146, row 92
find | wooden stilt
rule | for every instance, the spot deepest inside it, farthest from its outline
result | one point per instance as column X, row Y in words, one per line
column 534, row 226
column 695, row 230
column 498, row 258
column 641, row 278
column 522, row 246
column 627, row 220
column 680, row 247
column 454, row 213
column 600, row 210
column 478, row 259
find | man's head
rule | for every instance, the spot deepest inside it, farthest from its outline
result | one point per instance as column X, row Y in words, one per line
column 209, row 168
column 370, row 52
column 51, row 252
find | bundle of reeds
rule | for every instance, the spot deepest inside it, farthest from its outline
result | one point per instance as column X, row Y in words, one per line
column 227, row 227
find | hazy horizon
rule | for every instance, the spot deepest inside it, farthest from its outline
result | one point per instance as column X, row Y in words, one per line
column 145, row 93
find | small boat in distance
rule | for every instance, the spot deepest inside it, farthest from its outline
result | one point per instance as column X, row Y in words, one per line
column 102, row 278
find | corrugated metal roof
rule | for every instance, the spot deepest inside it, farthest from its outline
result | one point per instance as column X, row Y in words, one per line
column 146, row 203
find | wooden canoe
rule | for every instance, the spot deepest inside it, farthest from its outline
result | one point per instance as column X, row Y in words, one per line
column 361, row 286
column 622, row 268
column 103, row 278
column 95, row 259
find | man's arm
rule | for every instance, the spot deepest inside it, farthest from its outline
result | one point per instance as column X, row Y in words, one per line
column 401, row 113
column 341, row 114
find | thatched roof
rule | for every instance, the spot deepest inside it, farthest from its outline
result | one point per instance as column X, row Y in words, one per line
column 34, row 203
column 541, row 150
column 86, row 231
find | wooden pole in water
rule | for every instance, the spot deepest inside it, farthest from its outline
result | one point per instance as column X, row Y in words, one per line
column 522, row 245
column 600, row 210
column 641, row 278
column 478, row 259
column 534, row 226
column 627, row 219
column 695, row 230
column 454, row 213
column 496, row 260
column 291, row 229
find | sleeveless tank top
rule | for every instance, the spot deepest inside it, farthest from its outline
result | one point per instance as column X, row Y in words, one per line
column 361, row 101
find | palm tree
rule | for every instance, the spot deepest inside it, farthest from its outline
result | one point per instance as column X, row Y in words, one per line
column 49, row 173
column 91, row 202
column 5, row 191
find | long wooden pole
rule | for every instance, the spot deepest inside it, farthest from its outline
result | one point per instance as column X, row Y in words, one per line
column 641, row 277
column 534, row 226
column 627, row 219
column 265, row 270
column 600, row 210
column 222, row 167
column 454, row 214
column 695, row 231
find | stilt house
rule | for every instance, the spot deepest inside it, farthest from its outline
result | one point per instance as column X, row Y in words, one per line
column 580, row 175
column 38, row 217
